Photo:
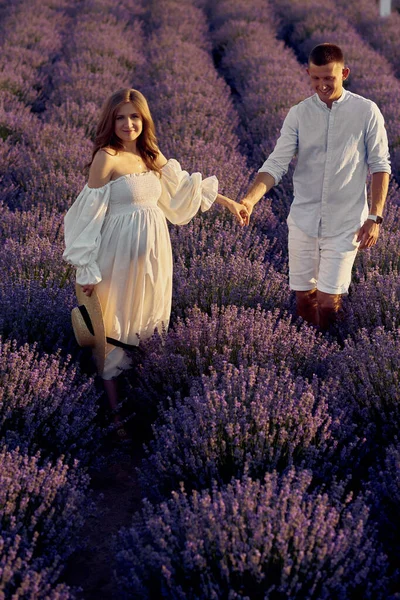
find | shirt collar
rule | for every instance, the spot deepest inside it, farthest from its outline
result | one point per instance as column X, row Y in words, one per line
column 342, row 97
column 323, row 104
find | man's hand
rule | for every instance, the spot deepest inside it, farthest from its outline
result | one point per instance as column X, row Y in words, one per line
column 240, row 212
column 368, row 234
column 248, row 206
column 261, row 186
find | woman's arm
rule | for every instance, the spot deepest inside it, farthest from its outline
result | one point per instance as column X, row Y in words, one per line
column 99, row 174
column 239, row 210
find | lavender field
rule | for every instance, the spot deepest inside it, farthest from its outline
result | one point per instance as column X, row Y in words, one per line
column 271, row 459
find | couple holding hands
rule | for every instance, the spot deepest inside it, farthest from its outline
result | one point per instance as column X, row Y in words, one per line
column 116, row 232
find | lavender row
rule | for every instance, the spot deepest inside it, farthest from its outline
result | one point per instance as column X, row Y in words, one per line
column 42, row 509
column 224, row 420
column 263, row 73
column 31, row 34
column 306, row 24
column 47, row 406
column 253, row 539
column 46, row 166
column 102, row 55
column 190, row 103
column 196, row 123
column 381, row 33
column 36, row 291
column 235, row 335
column 367, row 392
column 33, row 40
column 260, row 71
column 217, row 263
column 384, row 487
column 245, row 420
column 237, row 421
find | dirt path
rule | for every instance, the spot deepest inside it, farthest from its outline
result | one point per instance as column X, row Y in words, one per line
column 91, row 569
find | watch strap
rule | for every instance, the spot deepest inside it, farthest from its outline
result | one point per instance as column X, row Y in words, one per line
column 376, row 218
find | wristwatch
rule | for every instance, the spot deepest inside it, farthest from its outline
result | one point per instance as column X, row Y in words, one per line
column 378, row 220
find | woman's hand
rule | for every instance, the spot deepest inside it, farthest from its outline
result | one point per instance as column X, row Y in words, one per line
column 239, row 210
column 88, row 289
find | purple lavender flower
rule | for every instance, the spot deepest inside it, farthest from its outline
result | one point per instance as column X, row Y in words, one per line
column 252, row 539
column 251, row 58
column 373, row 302
column 383, row 487
column 381, row 33
column 238, row 421
column 45, row 404
column 42, row 509
column 190, row 103
column 365, row 388
column 242, row 337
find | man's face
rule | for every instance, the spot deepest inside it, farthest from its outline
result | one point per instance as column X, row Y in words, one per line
column 327, row 80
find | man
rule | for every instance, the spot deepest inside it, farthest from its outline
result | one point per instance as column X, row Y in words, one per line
column 338, row 137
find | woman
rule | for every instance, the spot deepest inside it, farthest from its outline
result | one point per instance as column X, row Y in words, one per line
column 116, row 231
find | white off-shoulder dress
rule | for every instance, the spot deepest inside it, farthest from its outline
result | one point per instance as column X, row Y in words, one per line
column 117, row 237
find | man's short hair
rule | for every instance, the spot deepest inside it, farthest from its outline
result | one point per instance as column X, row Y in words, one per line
column 326, row 53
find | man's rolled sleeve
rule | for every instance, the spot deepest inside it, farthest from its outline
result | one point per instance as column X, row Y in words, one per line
column 377, row 142
column 278, row 161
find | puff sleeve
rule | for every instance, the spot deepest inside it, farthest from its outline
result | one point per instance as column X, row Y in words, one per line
column 183, row 194
column 82, row 232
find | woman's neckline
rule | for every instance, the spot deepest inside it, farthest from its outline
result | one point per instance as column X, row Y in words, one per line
column 129, row 175
column 126, row 175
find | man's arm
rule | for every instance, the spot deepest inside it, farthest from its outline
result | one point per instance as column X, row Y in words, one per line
column 369, row 232
column 261, row 186
column 379, row 190
column 277, row 163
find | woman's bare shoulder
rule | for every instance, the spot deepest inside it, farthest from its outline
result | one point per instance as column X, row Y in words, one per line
column 101, row 169
column 161, row 161
column 108, row 151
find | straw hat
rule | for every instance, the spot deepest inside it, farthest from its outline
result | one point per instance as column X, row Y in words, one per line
column 88, row 325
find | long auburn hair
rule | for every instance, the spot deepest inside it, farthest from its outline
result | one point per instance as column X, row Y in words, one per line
column 146, row 143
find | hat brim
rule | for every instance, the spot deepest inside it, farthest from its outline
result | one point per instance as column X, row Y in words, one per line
column 93, row 307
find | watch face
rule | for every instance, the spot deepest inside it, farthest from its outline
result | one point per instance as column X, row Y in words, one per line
column 378, row 220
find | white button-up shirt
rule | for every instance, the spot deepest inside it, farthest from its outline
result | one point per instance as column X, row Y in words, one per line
column 335, row 149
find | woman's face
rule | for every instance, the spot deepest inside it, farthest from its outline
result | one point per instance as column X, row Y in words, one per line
column 128, row 123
